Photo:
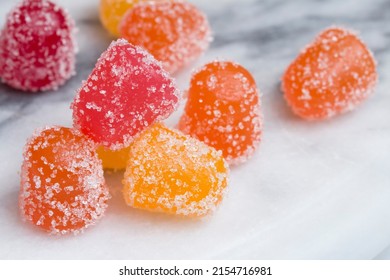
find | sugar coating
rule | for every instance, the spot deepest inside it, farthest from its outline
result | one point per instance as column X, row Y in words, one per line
column 37, row 46
column 174, row 32
column 223, row 110
column 112, row 12
column 332, row 75
column 126, row 92
column 116, row 160
column 62, row 185
column 173, row 173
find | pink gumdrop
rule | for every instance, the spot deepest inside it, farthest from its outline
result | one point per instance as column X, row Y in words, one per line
column 126, row 92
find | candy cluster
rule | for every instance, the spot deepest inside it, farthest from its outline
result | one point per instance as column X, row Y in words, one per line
column 119, row 109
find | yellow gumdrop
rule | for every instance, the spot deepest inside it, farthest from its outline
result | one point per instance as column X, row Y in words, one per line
column 173, row 173
column 113, row 159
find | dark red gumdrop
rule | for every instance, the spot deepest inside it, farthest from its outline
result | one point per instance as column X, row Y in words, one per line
column 37, row 47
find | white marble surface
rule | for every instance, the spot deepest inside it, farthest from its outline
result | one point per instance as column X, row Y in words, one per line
column 313, row 190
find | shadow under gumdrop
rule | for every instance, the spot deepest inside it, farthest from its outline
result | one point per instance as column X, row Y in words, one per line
column 10, row 206
column 10, row 94
column 275, row 106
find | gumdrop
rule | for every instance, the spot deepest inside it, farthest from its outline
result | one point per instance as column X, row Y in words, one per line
column 223, row 110
column 174, row 32
column 116, row 160
column 112, row 12
column 173, row 173
column 62, row 184
column 125, row 93
column 37, row 47
column 331, row 76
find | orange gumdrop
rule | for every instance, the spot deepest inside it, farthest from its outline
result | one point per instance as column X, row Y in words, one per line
column 331, row 76
column 113, row 159
column 173, row 173
column 62, row 185
column 223, row 110
column 112, row 12
column 174, row 32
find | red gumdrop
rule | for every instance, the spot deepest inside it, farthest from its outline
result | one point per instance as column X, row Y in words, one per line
column 126, row 92
column 37, row 47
